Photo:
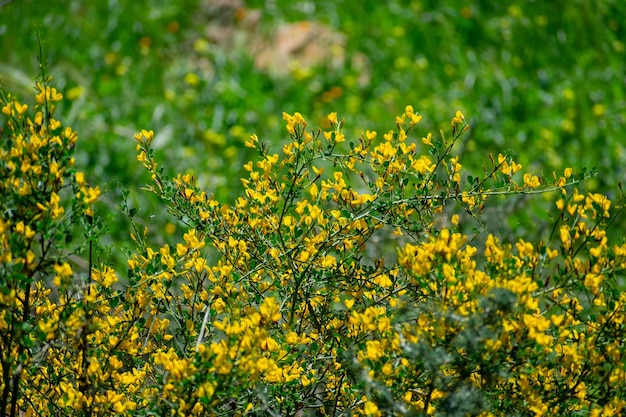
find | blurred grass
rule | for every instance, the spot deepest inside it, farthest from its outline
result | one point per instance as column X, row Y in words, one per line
column 544, row 79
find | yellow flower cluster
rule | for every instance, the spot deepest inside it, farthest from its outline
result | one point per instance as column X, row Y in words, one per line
column 340, row 282
column 287, row 239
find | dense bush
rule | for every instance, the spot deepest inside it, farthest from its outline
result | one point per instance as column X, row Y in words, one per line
column 287, row 301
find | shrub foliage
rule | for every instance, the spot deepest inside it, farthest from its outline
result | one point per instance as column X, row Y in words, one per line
column 345, row 280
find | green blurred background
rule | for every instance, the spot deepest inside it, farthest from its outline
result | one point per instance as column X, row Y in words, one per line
column 545, row 79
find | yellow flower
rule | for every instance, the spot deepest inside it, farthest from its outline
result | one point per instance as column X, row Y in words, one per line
column 458, row 118
column 557, row 319
column 428, row 140
column 371, row 409
column 455, row 169
column 374, row 350
column 91, row 195
column 531, row 181
column 270, row 310
column 7, row 109
column 293, row 121
column 206, row 390
column 106, row 277
column 251, row 143
column 567, row 173
column 63, row 273
column 332, row 118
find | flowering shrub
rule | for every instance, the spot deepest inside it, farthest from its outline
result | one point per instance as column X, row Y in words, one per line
column 288, row 301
